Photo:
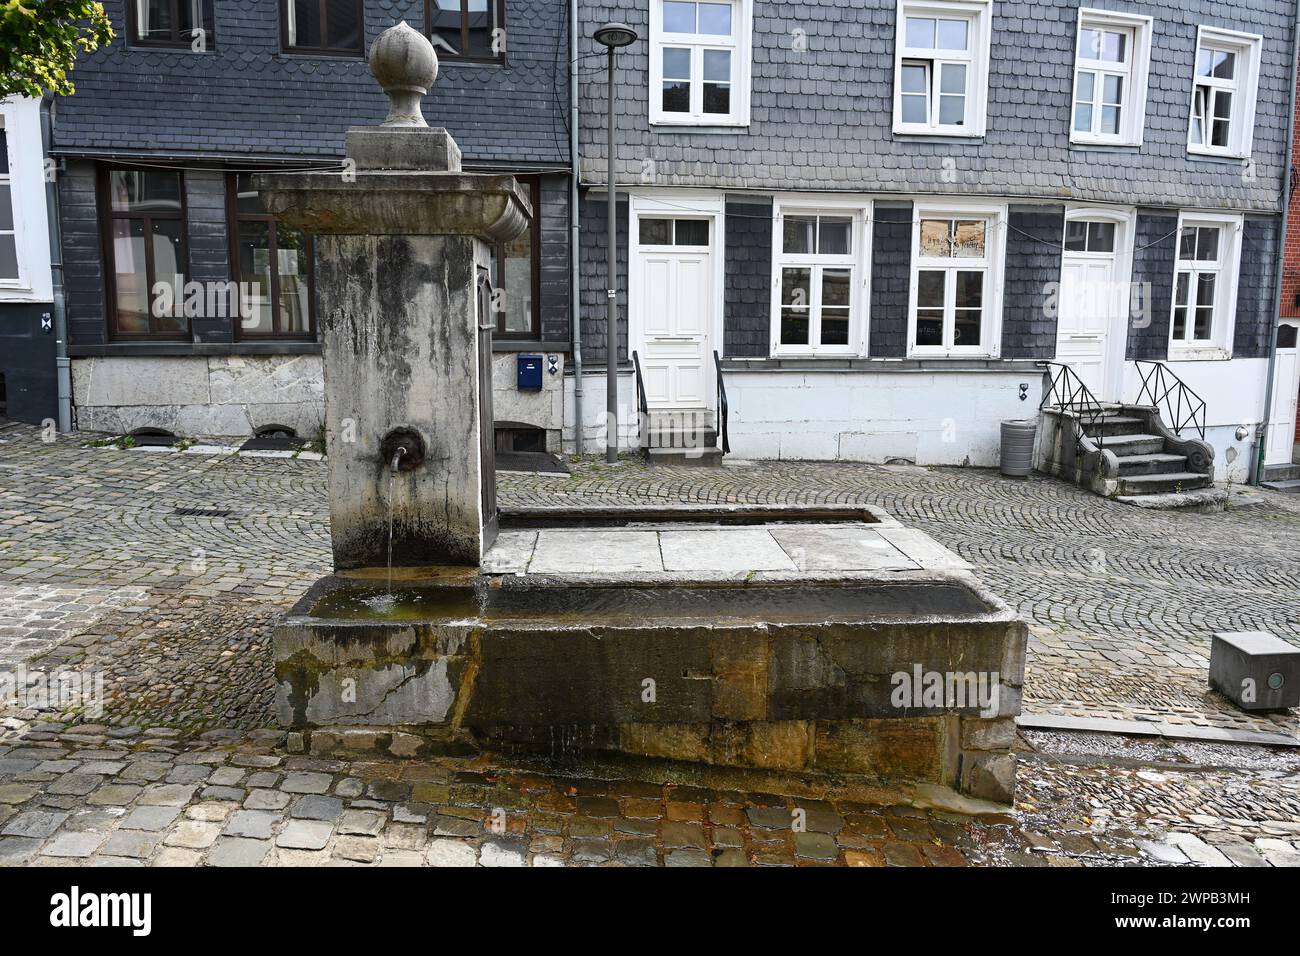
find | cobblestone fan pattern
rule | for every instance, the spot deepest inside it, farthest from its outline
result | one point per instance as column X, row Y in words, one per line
column 192, row 558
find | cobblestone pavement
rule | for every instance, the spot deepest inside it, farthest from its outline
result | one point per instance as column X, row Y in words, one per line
column 101, row 795
column 164, row 572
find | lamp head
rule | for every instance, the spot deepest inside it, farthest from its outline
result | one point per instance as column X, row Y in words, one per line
column 615, row 35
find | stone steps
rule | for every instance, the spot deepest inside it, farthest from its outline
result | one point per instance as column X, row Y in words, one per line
column 1127, row 445
column 1108, row 425
column 1153, row 464
column 1289, row 485
column 681, row 437
column 1175, row 482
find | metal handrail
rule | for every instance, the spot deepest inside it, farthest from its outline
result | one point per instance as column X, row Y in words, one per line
column 722, row 405
column 1067, row 391
column 642, row 405
column 1169, row 393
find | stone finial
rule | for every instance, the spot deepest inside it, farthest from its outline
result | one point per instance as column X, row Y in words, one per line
column 404, row 63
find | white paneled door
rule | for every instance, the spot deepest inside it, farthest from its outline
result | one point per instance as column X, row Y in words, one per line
column 1281, row 426
column 675, row 312
column 1090, row 302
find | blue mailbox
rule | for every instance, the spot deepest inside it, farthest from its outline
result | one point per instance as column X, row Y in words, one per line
column 529, row 373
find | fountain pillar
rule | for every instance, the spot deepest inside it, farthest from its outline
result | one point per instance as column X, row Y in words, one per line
column 404, row 243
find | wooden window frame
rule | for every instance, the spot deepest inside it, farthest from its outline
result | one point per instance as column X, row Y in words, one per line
column 303, row 49
column 106, row 219
column 179, row 40
column 498, row 7
column 534, row 333
column 233, row 218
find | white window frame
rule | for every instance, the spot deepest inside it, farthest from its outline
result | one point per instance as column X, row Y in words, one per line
column 1219, row 345
column 993, row 264
column 1135, row 72
column 979, row 14
column 1245, row 87
column 858, row 262
column 739, row 43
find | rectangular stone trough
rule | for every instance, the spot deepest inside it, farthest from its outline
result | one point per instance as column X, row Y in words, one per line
column 849, row 646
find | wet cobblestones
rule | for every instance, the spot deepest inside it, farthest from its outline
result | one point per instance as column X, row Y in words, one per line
column 100, row 795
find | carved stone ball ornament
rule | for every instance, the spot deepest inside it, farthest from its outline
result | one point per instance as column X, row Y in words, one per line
column 404, row 63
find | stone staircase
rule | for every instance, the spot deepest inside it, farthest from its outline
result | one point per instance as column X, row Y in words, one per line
column 1282, row 478
column 681, row 437
column 1126, row 452
column 1145, row 465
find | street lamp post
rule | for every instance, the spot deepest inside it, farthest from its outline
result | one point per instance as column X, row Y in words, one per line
column 612, row 36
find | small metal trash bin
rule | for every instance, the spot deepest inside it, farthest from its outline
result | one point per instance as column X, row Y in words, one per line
column 1018, row 447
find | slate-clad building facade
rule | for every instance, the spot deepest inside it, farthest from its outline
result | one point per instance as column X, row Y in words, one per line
column 154, row 154
column 884, row 215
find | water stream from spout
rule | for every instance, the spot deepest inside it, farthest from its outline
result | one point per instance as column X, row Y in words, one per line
column 392, row 477
column 386, row 602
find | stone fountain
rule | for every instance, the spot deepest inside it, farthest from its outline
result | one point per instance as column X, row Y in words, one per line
column 810, row 640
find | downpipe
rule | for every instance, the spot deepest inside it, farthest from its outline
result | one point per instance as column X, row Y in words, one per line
column 63, row 365
column 1260, row 448
column 575, row 306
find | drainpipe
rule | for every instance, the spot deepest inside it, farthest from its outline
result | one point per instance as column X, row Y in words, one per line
column 63, row 366
column 575, row 310
column 1261, row 441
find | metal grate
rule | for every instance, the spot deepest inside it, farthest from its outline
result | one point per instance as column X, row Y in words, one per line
column 203, row 512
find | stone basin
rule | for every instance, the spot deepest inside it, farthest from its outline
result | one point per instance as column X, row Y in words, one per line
column 776, row 644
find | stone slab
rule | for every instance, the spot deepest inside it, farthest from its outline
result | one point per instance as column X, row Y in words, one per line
column 584, row 552
column 723, row 549
column 841, row 548
column 510, row 553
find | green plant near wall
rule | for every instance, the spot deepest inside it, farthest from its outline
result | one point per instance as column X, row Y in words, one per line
column 40, row 41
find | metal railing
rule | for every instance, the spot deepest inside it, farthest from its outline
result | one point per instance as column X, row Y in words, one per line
column 643, row 407
column 1177, row 404
column 722, row 405
column 1068, row 392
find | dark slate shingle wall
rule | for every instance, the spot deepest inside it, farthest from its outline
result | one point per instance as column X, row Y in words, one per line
column 1255, row 317
column 1033, row 263
column 593, row 300
column 822, row 118
column 891, row 264
column 246, row 97
column 1155, row 245
column 747, row 310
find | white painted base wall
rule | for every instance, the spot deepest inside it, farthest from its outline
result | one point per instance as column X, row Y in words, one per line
column 929, row 418
column 1234, row 396
column 593, row 413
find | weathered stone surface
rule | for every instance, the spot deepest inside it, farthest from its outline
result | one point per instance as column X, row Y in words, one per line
column 305, row 835
column 991, row 777
column 981, row 734
column 889, row 749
